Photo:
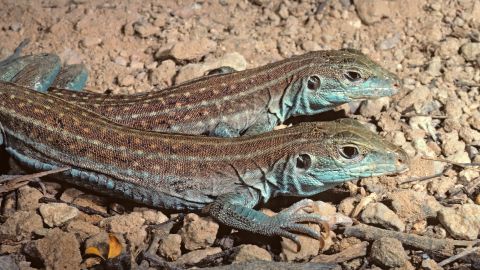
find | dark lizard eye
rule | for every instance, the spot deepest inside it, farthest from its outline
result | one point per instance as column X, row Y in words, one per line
column 353, row 76
column 304, row 161
column 313, row 82
column 349, row 151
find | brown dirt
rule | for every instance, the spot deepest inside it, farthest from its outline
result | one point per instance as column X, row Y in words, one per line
column 433, row 45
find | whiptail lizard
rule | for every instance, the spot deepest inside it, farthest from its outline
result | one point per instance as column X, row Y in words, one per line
column 230, row 175
column 245, row 102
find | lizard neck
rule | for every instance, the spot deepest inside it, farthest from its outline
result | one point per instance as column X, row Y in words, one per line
column 298, row 100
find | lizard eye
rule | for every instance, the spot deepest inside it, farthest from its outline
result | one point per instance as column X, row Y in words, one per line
column 313, row 82
column 352, row 76
column 350, row 152
column 304, row 161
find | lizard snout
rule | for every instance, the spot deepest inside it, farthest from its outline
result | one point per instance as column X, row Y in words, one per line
column 402, row 162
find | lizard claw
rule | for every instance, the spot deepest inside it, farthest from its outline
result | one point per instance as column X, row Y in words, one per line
column 287, row 222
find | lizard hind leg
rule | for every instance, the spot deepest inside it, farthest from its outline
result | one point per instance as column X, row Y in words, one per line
column 16, row 53
column 39, row 73
column 224, row 130
column 33, row 71
column 235, row 210
column 71, row 77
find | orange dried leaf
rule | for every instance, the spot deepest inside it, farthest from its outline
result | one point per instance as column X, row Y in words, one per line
column 93, row 251
column 115, row 247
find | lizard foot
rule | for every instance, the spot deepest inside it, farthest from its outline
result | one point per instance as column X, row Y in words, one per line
column 286, row 222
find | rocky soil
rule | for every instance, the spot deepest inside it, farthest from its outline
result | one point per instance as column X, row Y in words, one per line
column 406, row 222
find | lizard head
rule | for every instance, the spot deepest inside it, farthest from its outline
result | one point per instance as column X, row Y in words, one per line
column 340, row 151
column 337, row 77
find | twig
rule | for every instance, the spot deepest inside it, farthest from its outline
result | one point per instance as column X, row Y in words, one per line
column 425, row 115
column 11, row 183
column 159, row 232
column 363, row 203
column 84, row 209
column 271, row 265
column 467, row 84
column 459, row 255
column 463, row 165
column 421, row 242
column 428, row 177
column 210, row 259
column 350, row 253
column 156, row 261
column 470, row 188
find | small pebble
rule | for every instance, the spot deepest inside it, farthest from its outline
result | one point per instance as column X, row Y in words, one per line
column 379, row 214
column 127, row 80
column 170, row 247
column 462, row 222
column 470, row 51
column 198, row 232
column 90, row 42
column 56, row 214
column 251, row 253
column 121, row 61
column 388, row 252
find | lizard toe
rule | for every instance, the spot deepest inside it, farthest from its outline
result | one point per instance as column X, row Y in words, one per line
column 304, row 229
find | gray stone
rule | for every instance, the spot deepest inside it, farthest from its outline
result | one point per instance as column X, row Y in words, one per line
column 21, row 224
column 413, row 205
column 462, row 222
column 170, row 247
column 251, row 253
column 373, row 107
column 372, row 11
column 163, row 74
column 28, row 198
column 388, row 252
column 57, row 250
column 82, row 229
column 56, row 214
column 191, row 71
column 131, row 225
column 197, row 255
column 379, row 214
column 145, row 30
column 90, row 42
column 8, row 263
column 198, row 232
column 470, row 51
column 190, row 49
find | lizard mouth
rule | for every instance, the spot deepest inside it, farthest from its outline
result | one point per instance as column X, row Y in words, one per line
column 381, row 169
column 375, row 93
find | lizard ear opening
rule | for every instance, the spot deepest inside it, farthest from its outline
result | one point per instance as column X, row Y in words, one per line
column 304, row 161
column 313, row 82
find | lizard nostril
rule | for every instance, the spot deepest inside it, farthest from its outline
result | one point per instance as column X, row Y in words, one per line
column 403, row 161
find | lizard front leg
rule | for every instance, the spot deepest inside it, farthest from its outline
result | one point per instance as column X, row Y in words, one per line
column 71, row 77
column 235, row 210
column 265, row 123
column 39, row 73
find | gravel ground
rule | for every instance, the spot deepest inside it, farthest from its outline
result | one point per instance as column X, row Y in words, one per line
column 135, row 46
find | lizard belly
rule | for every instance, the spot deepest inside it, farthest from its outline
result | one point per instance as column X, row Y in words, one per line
column 108, row 185
column 164, row 191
